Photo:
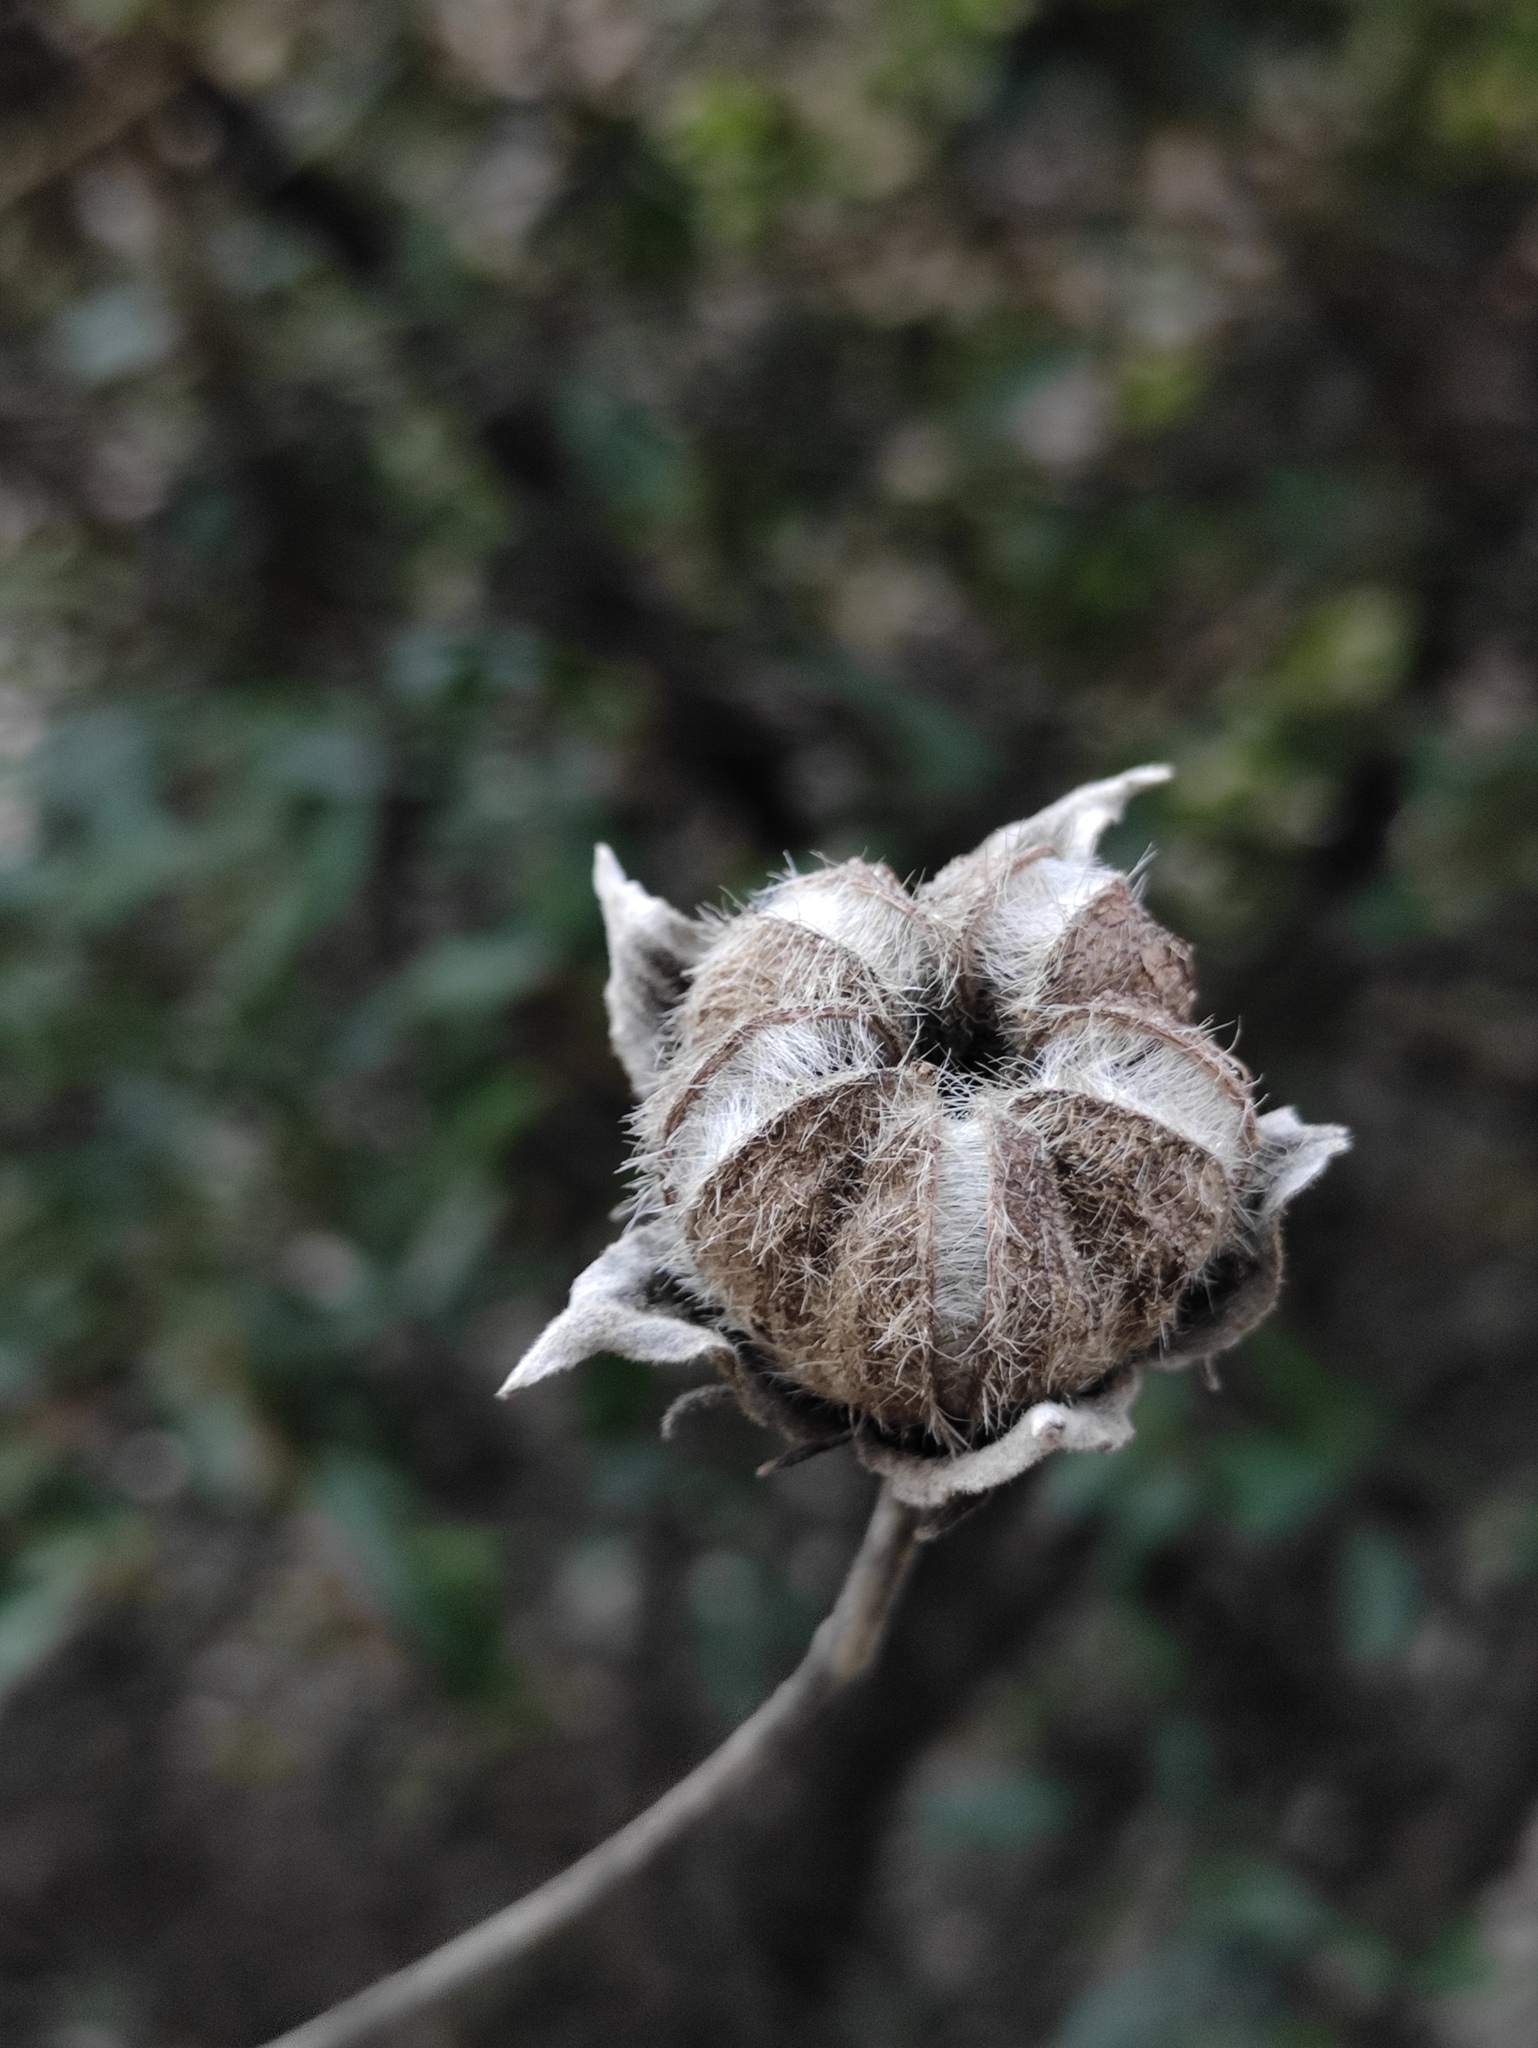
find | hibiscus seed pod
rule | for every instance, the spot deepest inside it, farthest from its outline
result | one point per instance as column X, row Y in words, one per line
column 937, row 1166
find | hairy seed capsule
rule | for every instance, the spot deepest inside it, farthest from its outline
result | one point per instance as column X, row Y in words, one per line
column 940, row 1167
column 937, row 1246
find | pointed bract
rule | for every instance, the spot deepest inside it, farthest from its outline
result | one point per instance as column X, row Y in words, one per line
column 1291, row 1155
column 609, row 1311
column 1071, row 828
column 651, row 948
column 1100, row 1423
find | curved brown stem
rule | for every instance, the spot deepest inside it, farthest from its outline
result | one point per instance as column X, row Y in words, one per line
column 843, row 1648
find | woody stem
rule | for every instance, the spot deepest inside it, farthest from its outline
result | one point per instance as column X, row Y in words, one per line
column 842, row 1650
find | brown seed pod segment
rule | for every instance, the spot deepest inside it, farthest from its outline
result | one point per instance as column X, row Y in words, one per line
column 765, row 1229
column 912, row 1263
column 1146, row 1211
column 1114, row 949
column 766, row 963
column 1038, row 1310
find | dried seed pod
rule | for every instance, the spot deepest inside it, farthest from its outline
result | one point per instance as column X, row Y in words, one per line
column 940, row 1171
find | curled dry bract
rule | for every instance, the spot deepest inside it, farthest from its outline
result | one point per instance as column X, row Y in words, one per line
column 938, row 1171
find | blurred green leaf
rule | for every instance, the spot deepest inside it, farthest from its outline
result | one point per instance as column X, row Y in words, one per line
column 1184, row 1996
column 1379, row 1594
column 939, row 752
column 457, row 1577
column 1184, row 1767
column 467, row 975
column 741, row 146
column 116, row 332
column 197, row 1372
column 1270, row 1487
column 44, row 1593
column 616, row 1397
column 1351, row 654
column 1325, row 1411
column 1258, row 1906
column 744, row 1621
column 439, row 1582
column 447, row 1243
column 993, row 1809
column 641, row 472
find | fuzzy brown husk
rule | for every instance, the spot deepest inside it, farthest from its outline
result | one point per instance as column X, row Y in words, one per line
column 1115, row 949
column 762, row 964
column 931, row 1250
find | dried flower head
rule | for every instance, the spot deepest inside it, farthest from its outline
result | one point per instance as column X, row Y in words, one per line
column 937, row 1171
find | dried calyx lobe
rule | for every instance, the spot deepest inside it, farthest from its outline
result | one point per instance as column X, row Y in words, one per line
column 911, row 1164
